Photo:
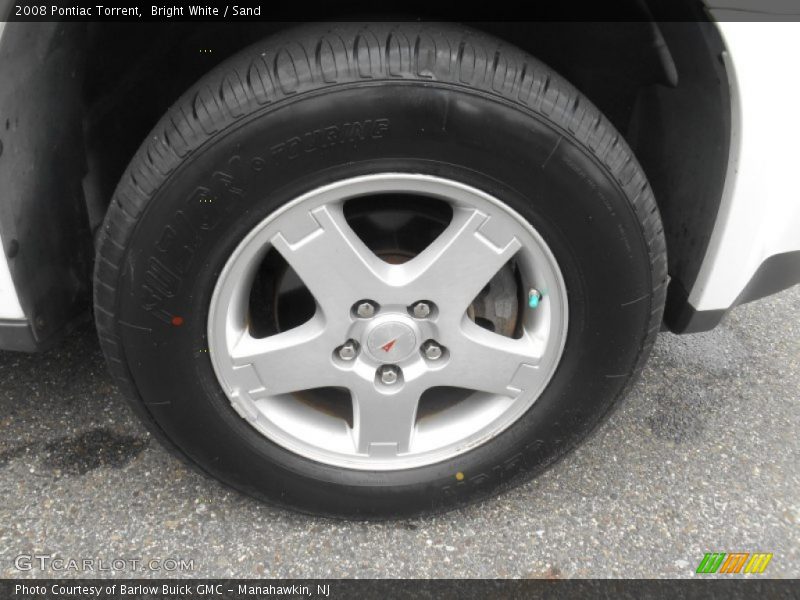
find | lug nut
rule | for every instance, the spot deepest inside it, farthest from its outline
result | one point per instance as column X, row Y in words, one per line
column 389, row 374
column 432, row 350
column 421, row 310
column 365, row 309
column 348, row 350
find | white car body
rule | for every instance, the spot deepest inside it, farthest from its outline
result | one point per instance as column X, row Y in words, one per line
column 9, row 302
column 760, row 212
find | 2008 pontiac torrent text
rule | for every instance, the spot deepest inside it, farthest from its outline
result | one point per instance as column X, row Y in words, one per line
column 76, row 11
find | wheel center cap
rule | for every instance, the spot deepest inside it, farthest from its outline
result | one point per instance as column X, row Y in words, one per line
column 391, row 342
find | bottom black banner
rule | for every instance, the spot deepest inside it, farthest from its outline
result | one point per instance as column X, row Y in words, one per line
column 230, row 589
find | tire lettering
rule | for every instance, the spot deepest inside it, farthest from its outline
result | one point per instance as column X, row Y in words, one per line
column 180, row 238
column 354, row 133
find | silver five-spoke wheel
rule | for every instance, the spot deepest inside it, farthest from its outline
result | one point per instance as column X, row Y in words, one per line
column 392, row 335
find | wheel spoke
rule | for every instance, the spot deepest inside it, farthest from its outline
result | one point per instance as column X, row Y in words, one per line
column 294, row 360
column 488, row 362
column 330, row 259
column 383, row 424
column 461, row 261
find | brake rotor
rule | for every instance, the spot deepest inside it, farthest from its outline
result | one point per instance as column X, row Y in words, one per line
column 497, row 306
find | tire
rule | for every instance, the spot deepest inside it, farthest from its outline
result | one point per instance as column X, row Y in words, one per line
column 440, row 100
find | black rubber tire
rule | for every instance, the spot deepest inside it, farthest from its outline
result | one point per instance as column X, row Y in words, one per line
column 450, row 101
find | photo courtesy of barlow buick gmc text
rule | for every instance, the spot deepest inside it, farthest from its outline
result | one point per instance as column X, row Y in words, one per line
column 399, row 292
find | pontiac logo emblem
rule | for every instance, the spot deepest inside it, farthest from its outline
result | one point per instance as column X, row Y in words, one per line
column 389, row 345
column 391, row 341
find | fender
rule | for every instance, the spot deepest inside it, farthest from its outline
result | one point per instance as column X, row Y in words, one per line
column 754, row 249
column 45, row 273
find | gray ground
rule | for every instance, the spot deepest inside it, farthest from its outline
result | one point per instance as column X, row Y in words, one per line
column 703, row 456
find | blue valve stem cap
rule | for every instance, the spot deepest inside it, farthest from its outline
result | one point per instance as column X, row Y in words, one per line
column 534, row 297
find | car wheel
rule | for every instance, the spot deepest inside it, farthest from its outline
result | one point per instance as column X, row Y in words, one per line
column 373, row 270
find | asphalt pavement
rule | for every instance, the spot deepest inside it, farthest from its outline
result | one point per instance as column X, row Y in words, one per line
column 703, row 456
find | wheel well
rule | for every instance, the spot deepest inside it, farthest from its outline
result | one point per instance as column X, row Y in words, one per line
column 662, row 85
